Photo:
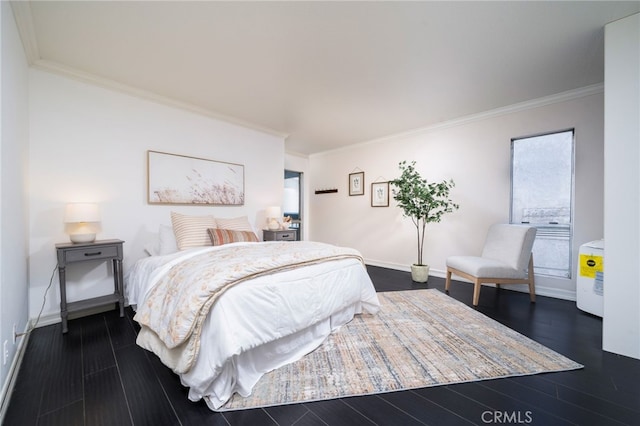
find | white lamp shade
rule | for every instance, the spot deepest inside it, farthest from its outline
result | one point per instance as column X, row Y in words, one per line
column 273, row 212
column 81, row 212
column 81, row 220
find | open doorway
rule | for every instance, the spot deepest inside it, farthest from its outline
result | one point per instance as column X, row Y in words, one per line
column 292, row 205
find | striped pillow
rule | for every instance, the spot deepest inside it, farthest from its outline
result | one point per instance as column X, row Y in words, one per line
column 235, row 224
column 225, row 236
column 191, row 231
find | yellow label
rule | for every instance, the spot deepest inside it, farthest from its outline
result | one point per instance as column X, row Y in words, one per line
column 589, row 265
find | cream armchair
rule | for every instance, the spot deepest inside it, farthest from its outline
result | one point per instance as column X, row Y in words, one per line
column 506, row 259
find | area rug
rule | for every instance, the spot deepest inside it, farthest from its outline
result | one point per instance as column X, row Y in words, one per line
column 419, row 338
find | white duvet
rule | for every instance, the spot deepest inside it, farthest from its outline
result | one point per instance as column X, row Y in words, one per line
column 264, row 323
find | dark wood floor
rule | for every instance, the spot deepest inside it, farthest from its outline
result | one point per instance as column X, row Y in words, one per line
column 96, row 375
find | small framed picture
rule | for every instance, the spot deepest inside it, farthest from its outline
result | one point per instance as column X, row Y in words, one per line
column 380, row 194
column 356, row 183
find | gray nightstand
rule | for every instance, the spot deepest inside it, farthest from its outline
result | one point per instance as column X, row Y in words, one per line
column 83, row 252
column 288, row 235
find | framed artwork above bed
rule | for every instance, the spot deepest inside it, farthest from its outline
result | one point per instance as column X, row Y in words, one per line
column 180, row 179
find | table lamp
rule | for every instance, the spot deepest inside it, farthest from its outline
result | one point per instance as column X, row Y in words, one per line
column 81, row 220
column 273, row 217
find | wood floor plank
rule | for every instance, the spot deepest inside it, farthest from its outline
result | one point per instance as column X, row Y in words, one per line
column 442, row 396
column 335, row 412
column 36, row 356
column 64, row 382
column 600, row 406
column 499, row 402
column 121, row 331
column 146, row 399
column 537, row 383
column 379, row 411
column 288, row 414
column 97, row 350
column 422, row 409
column 70, row 415
column 105, row 402
column 598, row 385
column 309, row 419
column 26, row 398
column 256, row 416
column 561, row 409
column 24, row 407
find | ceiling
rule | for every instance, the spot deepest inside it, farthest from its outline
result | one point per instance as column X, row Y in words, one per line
column 326, row 74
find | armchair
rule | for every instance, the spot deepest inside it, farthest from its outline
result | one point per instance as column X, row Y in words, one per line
column 506, row 259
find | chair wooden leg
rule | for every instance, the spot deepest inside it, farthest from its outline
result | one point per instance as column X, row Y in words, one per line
column 476, row 292
column 532, row 284
column 447, row 282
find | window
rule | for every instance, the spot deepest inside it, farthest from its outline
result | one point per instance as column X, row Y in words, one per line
column 541, row 195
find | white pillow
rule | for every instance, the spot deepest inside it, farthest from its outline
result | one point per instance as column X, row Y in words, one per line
column 167, row 243
column 235, row 224
column 152, row 248
column 163, row 243
column 191, row 231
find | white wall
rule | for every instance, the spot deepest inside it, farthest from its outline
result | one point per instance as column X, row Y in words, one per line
column 475, row 153
column 621, row 326
column 89, row 144
column 13, row 192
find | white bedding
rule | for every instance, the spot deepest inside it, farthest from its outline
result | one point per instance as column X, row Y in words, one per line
column 263, row 323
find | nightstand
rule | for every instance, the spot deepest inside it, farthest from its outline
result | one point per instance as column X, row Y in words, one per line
column 288, row 235
column 104, row 250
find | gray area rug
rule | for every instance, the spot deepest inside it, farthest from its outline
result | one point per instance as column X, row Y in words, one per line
column 418, row 339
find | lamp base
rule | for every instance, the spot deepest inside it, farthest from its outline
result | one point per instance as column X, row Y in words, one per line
column 82, row 238
column 273, row 225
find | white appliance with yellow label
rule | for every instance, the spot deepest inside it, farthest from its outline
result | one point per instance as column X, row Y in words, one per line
column 589, row 286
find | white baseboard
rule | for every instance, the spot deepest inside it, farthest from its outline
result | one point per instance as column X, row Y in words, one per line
column 12, row 376
column 540, row 290
column 48, row 320
column 388, row 265
column 54, row 318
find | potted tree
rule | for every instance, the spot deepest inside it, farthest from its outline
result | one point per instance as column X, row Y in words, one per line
column 424, row 203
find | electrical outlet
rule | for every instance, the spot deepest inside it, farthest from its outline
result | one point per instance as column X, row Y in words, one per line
column 5, row 352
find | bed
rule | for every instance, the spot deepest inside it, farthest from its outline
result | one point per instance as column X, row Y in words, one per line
column 221, row 316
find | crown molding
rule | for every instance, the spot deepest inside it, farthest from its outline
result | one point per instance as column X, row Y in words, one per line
column 106, row 83
column 24, row 22
column 497, row 112
column 297, row 154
